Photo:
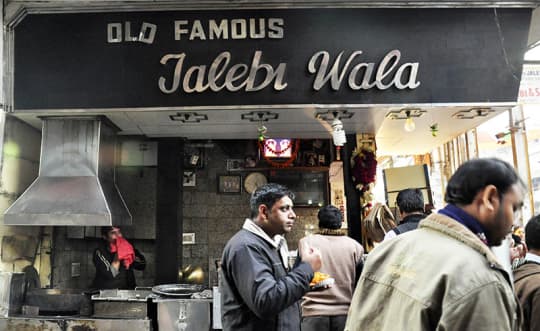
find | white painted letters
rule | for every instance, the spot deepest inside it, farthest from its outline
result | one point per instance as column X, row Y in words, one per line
column 385, row 77
column 114, row 32
column 336, row 73
column 239, row 76
column 118, row 32
column 197, row 31
column 179, row 29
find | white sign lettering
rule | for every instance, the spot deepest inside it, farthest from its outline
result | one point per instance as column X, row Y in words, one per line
column 239, row 76
column 363, row 72
column 239, row 28
column 255, row 76
column 118, row 32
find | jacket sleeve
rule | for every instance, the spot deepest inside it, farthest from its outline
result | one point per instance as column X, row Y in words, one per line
column 534, row 323
column 358, row 271
column 140, row 261
column 103, row 266
column 265, row 294
column 359, row 263
column 488, row 308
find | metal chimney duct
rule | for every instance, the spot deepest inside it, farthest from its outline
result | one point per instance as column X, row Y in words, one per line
column 76, row 182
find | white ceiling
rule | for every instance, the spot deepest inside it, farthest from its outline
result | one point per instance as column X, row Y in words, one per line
column 392, row 139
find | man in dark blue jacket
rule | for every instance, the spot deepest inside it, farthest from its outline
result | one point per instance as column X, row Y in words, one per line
column 258, row 289
column 410, row 203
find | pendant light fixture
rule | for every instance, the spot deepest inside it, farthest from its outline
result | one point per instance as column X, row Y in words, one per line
column 408, row 115
column 409, row 125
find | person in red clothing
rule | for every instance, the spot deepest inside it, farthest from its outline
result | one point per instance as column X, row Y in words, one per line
column 115, row 259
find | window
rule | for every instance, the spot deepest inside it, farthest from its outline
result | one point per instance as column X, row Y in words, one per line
column 494, row 138
column 532, row 122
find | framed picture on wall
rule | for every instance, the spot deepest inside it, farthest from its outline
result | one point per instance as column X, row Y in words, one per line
column 311, row 159
column 189, row 178
column 230, row 184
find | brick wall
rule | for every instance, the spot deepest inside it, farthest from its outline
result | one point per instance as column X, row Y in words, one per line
column 137, row 185
column 215, row 217
column 68, row 251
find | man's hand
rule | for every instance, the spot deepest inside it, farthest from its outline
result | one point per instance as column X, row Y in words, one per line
column 310, row 255
column 116, row 263
column 518, row 252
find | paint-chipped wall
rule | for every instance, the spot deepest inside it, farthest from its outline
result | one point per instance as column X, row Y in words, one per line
column 20, row 165
column 74, row 246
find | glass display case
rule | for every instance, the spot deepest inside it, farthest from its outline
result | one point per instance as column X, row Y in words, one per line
column 309, row 187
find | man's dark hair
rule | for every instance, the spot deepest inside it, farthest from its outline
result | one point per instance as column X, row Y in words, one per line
column 532, row 232
column 410, row 200
column 330, row 217
column 267, row 195
column 106, row 229
column 472, row 176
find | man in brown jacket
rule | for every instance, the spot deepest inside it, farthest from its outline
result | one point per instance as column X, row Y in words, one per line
column 527, row 277
column 443, row 276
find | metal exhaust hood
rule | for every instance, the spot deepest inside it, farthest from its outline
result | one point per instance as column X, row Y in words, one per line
column 76, row 183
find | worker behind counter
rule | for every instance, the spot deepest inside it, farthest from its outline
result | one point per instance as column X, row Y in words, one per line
column 115, row 259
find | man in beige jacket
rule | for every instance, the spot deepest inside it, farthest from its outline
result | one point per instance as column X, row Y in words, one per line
column 443, row 276
column 326, row 309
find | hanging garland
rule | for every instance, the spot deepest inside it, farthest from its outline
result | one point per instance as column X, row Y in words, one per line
column 364, row 172
column 288, row 162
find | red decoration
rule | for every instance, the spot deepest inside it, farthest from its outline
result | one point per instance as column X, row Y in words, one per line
column 364, row 173
column 274, row 150
column 288, row 162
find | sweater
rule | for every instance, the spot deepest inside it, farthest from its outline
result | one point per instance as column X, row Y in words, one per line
column 342, row 257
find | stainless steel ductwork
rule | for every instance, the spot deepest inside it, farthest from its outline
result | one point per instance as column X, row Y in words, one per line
column 76, row 183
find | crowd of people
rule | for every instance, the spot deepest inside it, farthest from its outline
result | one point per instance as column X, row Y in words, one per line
column 431, row 272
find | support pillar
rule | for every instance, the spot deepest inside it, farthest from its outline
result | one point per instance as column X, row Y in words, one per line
column 169, row 213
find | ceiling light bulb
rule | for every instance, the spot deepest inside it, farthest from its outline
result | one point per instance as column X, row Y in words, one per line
column 409, row 125
column 338, row 134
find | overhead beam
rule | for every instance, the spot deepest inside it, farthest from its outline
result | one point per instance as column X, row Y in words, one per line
column 277, row 3
column 13, row 8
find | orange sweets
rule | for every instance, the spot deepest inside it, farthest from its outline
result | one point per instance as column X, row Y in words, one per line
column 318, row 277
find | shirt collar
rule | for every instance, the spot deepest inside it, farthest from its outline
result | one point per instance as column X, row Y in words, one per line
column 532, row 257
column 414, row 217
column 252, row 227
column 278, row 242
column 464, row 218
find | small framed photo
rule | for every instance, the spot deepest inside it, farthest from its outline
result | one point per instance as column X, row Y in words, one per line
column 311, row 159
column 235, row 164
column 230, row 184
column 188, row 238
column 189, row 178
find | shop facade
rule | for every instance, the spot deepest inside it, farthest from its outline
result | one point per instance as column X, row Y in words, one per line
column 199, row 80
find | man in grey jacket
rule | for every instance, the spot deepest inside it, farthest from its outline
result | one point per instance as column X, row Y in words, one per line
column 443, row 276
column 259, row 292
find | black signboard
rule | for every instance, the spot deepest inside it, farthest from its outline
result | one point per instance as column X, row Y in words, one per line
column 268, row 57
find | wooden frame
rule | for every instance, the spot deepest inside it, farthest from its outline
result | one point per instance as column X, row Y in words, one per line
column 229, row 184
